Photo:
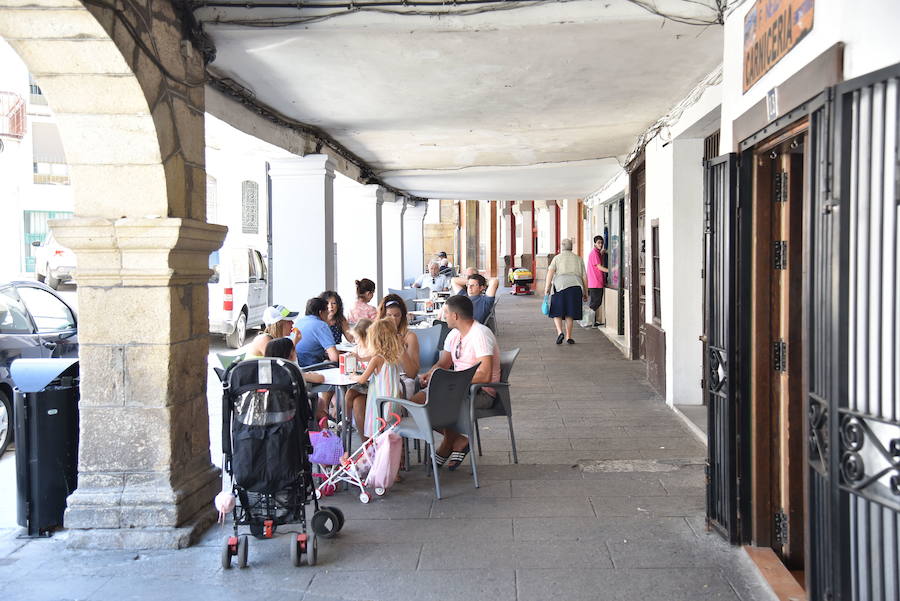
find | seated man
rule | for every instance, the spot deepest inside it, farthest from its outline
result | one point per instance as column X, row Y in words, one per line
column 444, row 262
column 316, row 340
column 432, row 279
column 469, row 343
column 480, row 291
column 316, row 344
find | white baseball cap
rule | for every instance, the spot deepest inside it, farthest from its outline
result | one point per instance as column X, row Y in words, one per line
column 273, row 315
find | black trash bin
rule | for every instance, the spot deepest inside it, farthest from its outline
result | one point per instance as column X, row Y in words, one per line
column 46, row 427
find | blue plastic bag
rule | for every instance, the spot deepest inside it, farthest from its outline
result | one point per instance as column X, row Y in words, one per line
column 545, row 306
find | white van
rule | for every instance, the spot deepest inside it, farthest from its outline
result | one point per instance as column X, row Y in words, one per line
column 238, row 292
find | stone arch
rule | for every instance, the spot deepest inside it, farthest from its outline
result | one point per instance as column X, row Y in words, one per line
column 128, row 95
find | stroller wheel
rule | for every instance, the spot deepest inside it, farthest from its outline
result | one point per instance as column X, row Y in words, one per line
column 340, row 516
column 325, row 523
column 296, row 551
column 364, row 497
column 243, row 544
column 312, row 550
column 379, row 491
column 226, row 554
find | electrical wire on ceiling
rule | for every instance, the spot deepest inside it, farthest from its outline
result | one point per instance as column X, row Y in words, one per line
column 430, row 8
column 661, row 126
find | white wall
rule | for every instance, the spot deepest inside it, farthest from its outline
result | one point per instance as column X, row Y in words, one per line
column 868, row 30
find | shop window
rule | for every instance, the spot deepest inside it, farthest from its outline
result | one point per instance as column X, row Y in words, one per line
column 654, row 249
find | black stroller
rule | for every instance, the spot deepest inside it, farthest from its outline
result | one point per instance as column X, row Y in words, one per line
column 265, row 443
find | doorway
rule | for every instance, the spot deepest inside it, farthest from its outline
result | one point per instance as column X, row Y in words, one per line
column 779, row 169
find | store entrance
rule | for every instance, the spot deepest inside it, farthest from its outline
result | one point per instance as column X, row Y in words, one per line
column 777, row 385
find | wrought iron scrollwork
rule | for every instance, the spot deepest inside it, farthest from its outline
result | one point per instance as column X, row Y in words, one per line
column 853, row 437
column 817, row 440
column 717, row 370
column 879, row 479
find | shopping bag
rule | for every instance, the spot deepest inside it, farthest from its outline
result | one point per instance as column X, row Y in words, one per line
column 587, row 317
column 327, row 448
column 383, row 473
column 545, row 306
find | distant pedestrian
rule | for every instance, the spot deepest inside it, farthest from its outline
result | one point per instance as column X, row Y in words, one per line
column 596, row 277
column 567, row 279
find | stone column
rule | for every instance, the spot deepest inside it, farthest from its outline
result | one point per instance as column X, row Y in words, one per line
column 145, row 478
column 413, row 239
column 524, row 211
column 303, row 262
column 393, row 211
column 504, row 233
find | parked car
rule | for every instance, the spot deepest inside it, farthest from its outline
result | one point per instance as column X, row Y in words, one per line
column 238, row 292
column 53, row 263
column 34, row 323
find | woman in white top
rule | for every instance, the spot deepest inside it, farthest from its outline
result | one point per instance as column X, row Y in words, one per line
column 567, row 280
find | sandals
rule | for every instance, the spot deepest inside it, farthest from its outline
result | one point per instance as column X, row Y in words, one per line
column 440, row 460
column 456, row 458
column 560, row 338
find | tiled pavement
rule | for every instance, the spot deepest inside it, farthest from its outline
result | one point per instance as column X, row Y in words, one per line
column 605, row 504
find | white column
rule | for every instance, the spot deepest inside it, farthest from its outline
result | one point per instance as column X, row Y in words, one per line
column 505, row 220
column 392, row 215
column 413, row 239
column 302, row 229
column 546, row 225
column 358, row 236
column 569, row 221
column 523, row 210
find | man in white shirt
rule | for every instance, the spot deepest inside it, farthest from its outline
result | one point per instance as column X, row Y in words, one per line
column 432, row 279
column 468, row 344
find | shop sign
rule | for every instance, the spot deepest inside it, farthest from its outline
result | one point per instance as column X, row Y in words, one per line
column 771, row 29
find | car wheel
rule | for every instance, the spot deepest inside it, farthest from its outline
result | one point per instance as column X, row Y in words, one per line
column 6, row 422
column 236, row 338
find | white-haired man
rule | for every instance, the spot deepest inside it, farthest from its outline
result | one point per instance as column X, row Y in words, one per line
column 432, row 278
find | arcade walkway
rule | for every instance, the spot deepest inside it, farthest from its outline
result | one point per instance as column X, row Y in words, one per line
column 606, row 504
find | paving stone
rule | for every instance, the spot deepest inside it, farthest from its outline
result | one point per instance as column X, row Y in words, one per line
column 429, row 530
column 619, row 585
column 666, row 506
column 518, row 554
column 613, row 485
column 602, row 528
column 424, row 585
column 511, row 508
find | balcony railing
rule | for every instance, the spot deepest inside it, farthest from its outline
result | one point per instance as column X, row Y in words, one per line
column 12, row 115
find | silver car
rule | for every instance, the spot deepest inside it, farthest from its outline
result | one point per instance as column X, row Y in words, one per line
column 53, row 263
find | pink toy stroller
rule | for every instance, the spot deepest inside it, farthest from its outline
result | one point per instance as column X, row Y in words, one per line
column 354, row 468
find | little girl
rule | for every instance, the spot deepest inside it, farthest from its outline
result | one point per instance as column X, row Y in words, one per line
column 383, row 371
column 365, row 290
column 356, row 395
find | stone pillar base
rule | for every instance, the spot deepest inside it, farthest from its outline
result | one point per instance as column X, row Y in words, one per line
column 140, row 538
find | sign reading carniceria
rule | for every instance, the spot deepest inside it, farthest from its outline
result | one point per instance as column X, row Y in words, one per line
column 771, row 29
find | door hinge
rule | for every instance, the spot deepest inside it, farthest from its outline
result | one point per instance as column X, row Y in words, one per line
column 779, row 355
column 781, row 527
column 779, row 254
column 781, row 187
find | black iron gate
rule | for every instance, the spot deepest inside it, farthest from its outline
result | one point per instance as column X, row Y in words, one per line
column 853, row 361
column 720, row 200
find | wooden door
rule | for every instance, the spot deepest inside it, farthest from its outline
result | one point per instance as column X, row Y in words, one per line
column 785, row 335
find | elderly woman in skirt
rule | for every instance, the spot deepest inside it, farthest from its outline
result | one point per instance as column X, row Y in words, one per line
column 567, row 280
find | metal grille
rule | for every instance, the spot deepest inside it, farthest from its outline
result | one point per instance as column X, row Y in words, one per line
column 867, row 427
column 12, row 115
column 719, row 390
column 821, row 303
column 249, row 207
